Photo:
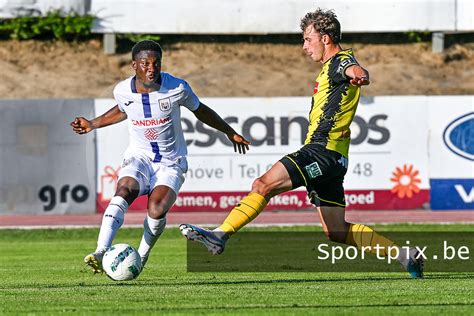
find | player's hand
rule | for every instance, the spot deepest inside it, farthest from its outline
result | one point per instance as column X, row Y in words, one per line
column 360, row 81
column 241, row 145
column 81, row 125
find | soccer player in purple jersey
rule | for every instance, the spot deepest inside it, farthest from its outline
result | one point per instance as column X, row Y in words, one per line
column 155, row 161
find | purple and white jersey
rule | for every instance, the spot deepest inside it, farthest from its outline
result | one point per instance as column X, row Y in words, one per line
column 154, row 119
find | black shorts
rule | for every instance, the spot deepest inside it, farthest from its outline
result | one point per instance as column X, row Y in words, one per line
column 321, row 171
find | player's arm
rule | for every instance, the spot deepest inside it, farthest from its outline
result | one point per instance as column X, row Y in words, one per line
column 359, row 76
column 206, row 115
column 112, row 116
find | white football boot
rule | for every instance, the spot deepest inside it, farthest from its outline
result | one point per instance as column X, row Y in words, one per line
column 208, row 238
column 414, row 264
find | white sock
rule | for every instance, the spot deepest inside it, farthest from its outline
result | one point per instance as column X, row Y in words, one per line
column 111, row 222
column 153, row 228
column 220, row 233
column 404, row 257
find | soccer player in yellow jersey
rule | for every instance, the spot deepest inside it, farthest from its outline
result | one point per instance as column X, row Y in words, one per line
column 320, row 165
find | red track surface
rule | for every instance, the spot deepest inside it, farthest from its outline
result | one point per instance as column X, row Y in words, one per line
column 266, row 218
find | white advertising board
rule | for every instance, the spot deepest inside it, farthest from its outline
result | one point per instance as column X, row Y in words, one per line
column 14, row 8
column 388, row 164
column 450, row 158
column 452, row 152
column 277, row 16
column 464, row 15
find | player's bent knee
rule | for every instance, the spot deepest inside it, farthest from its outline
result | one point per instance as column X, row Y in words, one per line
column 157, row 212
column 336, row 236
column 260, row 187
column 129, row 194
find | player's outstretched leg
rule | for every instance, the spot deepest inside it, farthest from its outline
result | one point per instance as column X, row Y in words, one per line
column 209, row 239
column 242, row 214
column 363, row 236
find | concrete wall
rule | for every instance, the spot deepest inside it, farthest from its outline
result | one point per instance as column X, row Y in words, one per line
column 45, row 168
column 277, row 16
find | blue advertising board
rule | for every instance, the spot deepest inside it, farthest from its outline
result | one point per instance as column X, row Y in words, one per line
column 452, row 194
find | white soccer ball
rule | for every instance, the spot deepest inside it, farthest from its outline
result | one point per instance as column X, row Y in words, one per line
column 122, row 262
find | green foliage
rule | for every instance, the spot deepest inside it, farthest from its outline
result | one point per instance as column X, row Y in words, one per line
column 417, row 37
column 53, row 25
column 140, row 37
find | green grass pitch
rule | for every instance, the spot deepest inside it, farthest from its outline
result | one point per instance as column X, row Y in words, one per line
column 41, row 272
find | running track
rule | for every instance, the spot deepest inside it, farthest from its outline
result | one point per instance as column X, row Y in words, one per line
column 133, row 219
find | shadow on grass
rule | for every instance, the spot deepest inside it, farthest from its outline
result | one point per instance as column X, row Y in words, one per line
column 186, row 283
column 267, row 307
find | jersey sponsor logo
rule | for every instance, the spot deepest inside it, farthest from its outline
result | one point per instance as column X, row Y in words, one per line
column 316, row 87
column 151, row 134
column 165, row 104
column 457, row 136
column 151, row 122
column 313, row 170
column 128, row 103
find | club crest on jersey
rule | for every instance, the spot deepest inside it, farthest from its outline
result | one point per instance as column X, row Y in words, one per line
column 165, row 104
column 316, row 87
column 151, row 134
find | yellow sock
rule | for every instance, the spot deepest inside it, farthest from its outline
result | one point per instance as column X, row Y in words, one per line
column 243, row 213
column 363, row 236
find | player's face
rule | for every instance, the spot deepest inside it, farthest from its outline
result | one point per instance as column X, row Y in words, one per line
column 313, row 44
column 147, row 66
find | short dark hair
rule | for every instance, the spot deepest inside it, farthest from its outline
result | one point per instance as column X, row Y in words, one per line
column 146, row 45
column 324, row 22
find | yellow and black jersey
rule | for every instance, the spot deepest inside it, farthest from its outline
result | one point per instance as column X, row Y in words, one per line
column 333, row 105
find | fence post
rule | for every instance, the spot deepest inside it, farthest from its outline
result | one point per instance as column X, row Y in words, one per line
column 437, row 42
column 109, row 43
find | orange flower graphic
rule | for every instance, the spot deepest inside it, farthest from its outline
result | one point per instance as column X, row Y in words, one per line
column 406, row 181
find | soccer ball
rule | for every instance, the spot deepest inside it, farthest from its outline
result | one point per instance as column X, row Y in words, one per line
column 122, row 262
